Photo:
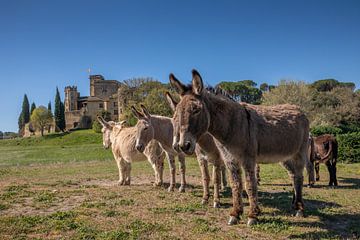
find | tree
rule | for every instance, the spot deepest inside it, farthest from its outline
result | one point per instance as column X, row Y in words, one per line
column 49, row 106
column 96, row 126
column 25, row 114
column 33, row 106
column 244, row 91
column 59, row 112
column 41, row 118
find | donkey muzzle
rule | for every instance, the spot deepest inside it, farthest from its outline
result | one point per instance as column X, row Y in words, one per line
column 140, row 147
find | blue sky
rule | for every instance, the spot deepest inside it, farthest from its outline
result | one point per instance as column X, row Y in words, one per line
column 44, row 44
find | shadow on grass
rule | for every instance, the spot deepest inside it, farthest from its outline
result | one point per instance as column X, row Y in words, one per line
column 55, row 135
column 332, row 224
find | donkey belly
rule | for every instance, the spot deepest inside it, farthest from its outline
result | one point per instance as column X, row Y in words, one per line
column 273, row 158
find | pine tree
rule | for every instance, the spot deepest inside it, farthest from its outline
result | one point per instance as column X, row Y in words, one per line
column 33, row 106
column 59, row 113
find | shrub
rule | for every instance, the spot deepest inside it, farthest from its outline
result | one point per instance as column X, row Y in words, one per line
column 325, row 129
column 349, row 147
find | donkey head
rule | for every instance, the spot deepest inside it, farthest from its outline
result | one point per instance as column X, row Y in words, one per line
column 191, row 116
column 145, row 130
column 107, row 129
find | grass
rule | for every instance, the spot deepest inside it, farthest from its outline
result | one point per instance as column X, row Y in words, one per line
column 64, row 186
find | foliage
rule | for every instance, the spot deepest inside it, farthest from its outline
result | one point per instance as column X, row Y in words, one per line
column 336, row 107
column 41, row 118
column 244, row 91
column 326, row 85
column 25, row 113
column 33, row 106
column 59, row 112
column 96, row 126
column 149, row 93
column 349, row 147
column 325, row 129
column 301, row 95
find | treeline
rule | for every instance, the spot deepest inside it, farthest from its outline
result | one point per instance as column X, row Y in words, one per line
column 41, row 118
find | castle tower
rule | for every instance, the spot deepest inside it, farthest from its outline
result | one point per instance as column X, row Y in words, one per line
column 93, row 80
column 71, row 98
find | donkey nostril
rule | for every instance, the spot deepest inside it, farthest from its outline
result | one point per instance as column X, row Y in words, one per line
column 186, row 147
column 139, row 147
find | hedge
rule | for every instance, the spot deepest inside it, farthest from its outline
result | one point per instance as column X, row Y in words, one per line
column 349, row 147
column 325, row 129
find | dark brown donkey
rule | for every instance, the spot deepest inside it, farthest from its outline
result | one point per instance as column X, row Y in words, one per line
column 325, row 151
column 245, row 134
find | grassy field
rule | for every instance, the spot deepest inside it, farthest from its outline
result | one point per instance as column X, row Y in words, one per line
column 64, row 187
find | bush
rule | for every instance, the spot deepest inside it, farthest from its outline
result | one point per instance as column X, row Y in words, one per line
column 325, row 129
column 96, row 126
column 349, row 147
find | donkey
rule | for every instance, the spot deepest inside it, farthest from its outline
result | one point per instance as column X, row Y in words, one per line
column 161, row 129
column 326, row 151
column 151, row 127
column 245, row 135
column 122, row 141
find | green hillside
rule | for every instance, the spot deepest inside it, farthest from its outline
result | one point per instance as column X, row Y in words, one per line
column 81, row 145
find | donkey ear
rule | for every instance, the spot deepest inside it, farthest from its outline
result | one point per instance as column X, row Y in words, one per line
column 145, row 111
column 122, row 123
column 197, row 83
column 103, row 122
column 171, row 101
column 175, row 83
column 136, row 113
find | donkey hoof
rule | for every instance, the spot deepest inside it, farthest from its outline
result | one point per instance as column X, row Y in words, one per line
column 216, row 205
column 299, row 214
column 170, row 189
column 252, row 221
column 120, row 183
column 181, row 189
column 204, row 202
column 233, row 220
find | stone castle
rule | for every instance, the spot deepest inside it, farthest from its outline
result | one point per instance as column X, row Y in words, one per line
column 105, row 95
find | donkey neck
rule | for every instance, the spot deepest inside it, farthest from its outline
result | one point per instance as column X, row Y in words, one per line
column 163, row 129
column 227, row 118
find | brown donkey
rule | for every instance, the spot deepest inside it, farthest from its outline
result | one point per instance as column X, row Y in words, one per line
column 245, row 135
column 160, row 128
column 122, row 142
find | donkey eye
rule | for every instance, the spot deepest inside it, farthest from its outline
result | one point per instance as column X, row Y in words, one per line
column 196, row 110
column 146, row 128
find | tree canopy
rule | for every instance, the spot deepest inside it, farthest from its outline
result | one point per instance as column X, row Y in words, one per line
column 41, row 118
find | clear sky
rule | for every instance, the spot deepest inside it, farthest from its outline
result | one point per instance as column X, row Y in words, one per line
column 44, row 44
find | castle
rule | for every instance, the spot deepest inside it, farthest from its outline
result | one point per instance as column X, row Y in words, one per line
column 105, row 95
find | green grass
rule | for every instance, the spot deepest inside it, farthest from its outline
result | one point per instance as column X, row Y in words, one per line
column 84, row 145
column 64, row 186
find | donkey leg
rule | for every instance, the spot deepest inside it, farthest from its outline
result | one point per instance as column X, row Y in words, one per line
column 128, row 173
column 171, row 160
column 334, row 173
column 295, row 169
column 223, row 177
column 317, row 170
column 205, row 178
column 258, row 174
column 310, row 171
column 236, row 188
column 121, row 167
column 329, row 166
column 182, row 166
column 251, row 190
column 217, row 183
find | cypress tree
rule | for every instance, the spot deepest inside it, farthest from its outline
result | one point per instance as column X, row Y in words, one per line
column 25, row 113
column 59, row 113
column 26, row 109
column 33, row 106
column 49, row 106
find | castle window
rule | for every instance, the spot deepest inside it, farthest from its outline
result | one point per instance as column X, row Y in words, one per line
column 115, row 104
column 116, row 112
column 101, row 105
